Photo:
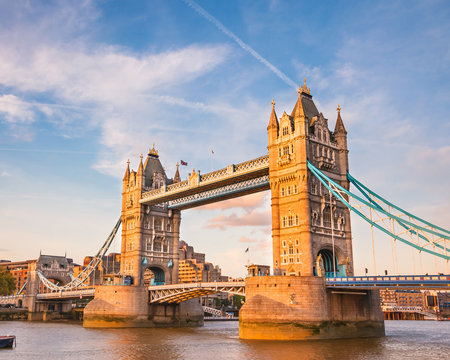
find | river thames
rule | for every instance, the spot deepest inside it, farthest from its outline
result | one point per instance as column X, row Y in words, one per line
column 217, row 340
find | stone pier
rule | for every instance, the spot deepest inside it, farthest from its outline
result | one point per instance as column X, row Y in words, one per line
column 128, row 306
column 301, row 308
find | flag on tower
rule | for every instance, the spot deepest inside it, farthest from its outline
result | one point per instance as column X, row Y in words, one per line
column 246, row 250
column 183, row 162
column 212, row 151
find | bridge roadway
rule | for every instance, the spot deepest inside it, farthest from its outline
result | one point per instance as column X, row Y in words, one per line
column 234, row 180
column 180, row 292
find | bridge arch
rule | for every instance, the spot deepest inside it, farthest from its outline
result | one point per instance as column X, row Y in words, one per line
column 325, row 260
column 155, row 275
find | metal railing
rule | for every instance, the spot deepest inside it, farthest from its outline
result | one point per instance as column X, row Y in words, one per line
column 439, row 281
column 230, row 171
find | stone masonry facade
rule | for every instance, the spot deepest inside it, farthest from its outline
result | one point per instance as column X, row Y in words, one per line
column 306, row 220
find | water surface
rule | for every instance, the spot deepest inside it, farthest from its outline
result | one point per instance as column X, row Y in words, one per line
column 217, row 340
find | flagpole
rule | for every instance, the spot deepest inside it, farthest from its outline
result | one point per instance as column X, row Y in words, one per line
column 212, row 153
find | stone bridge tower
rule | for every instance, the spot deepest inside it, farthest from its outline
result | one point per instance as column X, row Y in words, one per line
column 150, row 234
column 306, row 221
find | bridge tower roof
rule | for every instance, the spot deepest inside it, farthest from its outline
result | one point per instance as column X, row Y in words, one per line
column 152, row 165
column 305, row 105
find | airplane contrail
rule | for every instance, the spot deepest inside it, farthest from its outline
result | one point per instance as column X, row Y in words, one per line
column 242, row 44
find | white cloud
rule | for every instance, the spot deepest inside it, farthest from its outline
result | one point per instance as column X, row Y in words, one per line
column 91, row 85
column 15, row 110
column 253, row 218
column 107, row 75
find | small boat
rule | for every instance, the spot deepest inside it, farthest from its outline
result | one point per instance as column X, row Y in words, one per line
column 7, row 341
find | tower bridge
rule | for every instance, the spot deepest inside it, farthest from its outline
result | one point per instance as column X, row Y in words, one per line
column 312, row 291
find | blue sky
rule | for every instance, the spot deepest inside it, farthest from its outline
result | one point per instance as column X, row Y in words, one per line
column 85, row 85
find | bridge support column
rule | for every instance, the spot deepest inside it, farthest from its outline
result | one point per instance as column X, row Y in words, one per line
column 128, row 306
column 301, row 308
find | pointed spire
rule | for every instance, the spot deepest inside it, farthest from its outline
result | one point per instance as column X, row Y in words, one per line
column 298, row 111
column 273, row 122
column 127, row 171
column 139, row 171
column 177, row 177
column 339, row 128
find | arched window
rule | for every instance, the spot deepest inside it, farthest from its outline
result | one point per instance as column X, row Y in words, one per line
column 157, row 245
column 327, row 217
column 158, row 224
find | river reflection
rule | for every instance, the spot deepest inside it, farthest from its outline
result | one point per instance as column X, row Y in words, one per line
column 218, row 340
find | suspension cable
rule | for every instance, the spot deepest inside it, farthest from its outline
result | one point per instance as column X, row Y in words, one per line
column 87, row 271
column 411, row 228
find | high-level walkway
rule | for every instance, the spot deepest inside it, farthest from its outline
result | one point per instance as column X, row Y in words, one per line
column 234, row 180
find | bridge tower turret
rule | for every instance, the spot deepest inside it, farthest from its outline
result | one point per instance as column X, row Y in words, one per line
column 308, row 226
column 150, row 234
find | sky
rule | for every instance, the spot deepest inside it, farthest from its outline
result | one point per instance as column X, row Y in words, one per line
column 86, row 85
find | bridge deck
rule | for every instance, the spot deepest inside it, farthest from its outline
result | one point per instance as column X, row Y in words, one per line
column 181, row 292
column 418, row 282
column 70, row 294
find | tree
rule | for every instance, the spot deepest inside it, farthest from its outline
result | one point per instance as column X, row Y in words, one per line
column 7, row 283
column 238, row 301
